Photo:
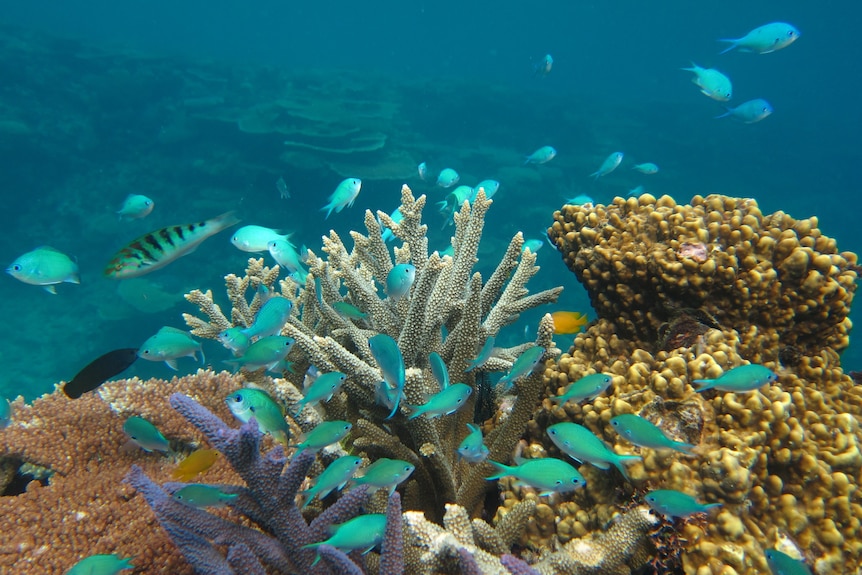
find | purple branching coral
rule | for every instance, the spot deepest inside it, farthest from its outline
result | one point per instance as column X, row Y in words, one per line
column 269, row 500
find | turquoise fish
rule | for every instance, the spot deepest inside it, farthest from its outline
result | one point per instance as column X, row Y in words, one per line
column 268, row 352
column 548, row 475
column 445, row 402
column 447, row 178
column 159, row 248
column 646, row 168
column 438, row 369
column 676, row 503
column 136, row 206
column 764, row 39
column 168, row 345
column 783, row 564
column 523, row 366
column 396, row 216
column 739, row 379
column 5, row 412
column 386, row 474
column 322, row 389
column 270, row 318
column 201, row 495
column 334, row 477
column 249, row 402
column 641, row 432
column 581, row 444
column 541, row 156
column 46, row 267
column 145, row 434
column 749, row 112
column 490, row 186
column 286, row 255
column 711, row 82
column 348, row 311
column 609, row 165
column 343, row 196
column 364, row 532
column 399, row 280
column 587, row 387
column 234, row 339
column 100, row 565
column 254, row 239
column 543, row 67
column 326, row 433
column 484, row 354
column 388, row 356
column 471, row 448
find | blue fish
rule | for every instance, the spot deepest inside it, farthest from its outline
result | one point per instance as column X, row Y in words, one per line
column 764, row 39
column 739, row 379
column 399, row 280
column 201, row 495
column 543, row 67
column 326, row 433
column 783, row 564
column 471, row 448
column 145, row 434
column 396, row 217
column 445, row 402
column 388, row 356
column 323, row 388
column 386, row 474
column 676, row 503
column 5, row 412
column 438, row 369
column 484, row 354
column 523, row 366
column 581, row 444
column 364, row 532
column 100, row 565
column 548, row 475
column 587, row 387
column 749, row 112
column 270, row 318
column 335, row 476
column 641, row 432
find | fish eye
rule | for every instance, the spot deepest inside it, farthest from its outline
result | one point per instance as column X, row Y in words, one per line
column 16, row 267
column 146, row 352
column 237, row 398
column 552, row 432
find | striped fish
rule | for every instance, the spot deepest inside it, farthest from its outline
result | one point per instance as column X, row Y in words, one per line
column 159, row 248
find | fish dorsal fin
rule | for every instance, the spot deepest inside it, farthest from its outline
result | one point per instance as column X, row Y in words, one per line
column 173, row 330
column 47, row 249
column 520, row 460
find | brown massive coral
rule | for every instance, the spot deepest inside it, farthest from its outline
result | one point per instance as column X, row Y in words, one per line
column 689, row 291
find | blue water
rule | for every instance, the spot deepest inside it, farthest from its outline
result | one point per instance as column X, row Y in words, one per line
column 101, row 86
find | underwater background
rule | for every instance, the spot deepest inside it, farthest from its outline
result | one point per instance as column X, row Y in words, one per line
column 192, row 103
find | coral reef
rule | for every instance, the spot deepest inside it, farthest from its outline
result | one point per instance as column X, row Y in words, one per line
column 83, row 507
column 784, row 461
column 446, row 297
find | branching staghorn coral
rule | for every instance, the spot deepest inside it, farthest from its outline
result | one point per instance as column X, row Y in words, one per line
column 446, row 297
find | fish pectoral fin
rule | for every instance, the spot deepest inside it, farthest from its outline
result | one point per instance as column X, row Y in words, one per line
column 172, row 363
column 50, row 289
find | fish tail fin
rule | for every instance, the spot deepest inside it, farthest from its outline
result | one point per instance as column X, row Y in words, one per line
column 415, row 411
column 704, row 384
column 225, row 220
column 733, row 44
column 309, row 496
column 711, row 506
column 502, row 470
column 618, row 463
column 684, row 447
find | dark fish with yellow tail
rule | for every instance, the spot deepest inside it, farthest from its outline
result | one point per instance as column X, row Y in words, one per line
column 159, row 248
column 100, row 370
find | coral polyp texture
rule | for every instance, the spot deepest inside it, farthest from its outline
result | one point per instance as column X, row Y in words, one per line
column 687, row 292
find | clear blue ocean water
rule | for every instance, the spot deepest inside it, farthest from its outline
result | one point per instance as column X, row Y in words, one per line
column 101, row 99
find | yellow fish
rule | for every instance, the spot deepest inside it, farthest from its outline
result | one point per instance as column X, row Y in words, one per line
column 566, row 322
column 196, row 463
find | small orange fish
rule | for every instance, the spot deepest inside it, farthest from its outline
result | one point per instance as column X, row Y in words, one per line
column 566, row 322
column 197, row 462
